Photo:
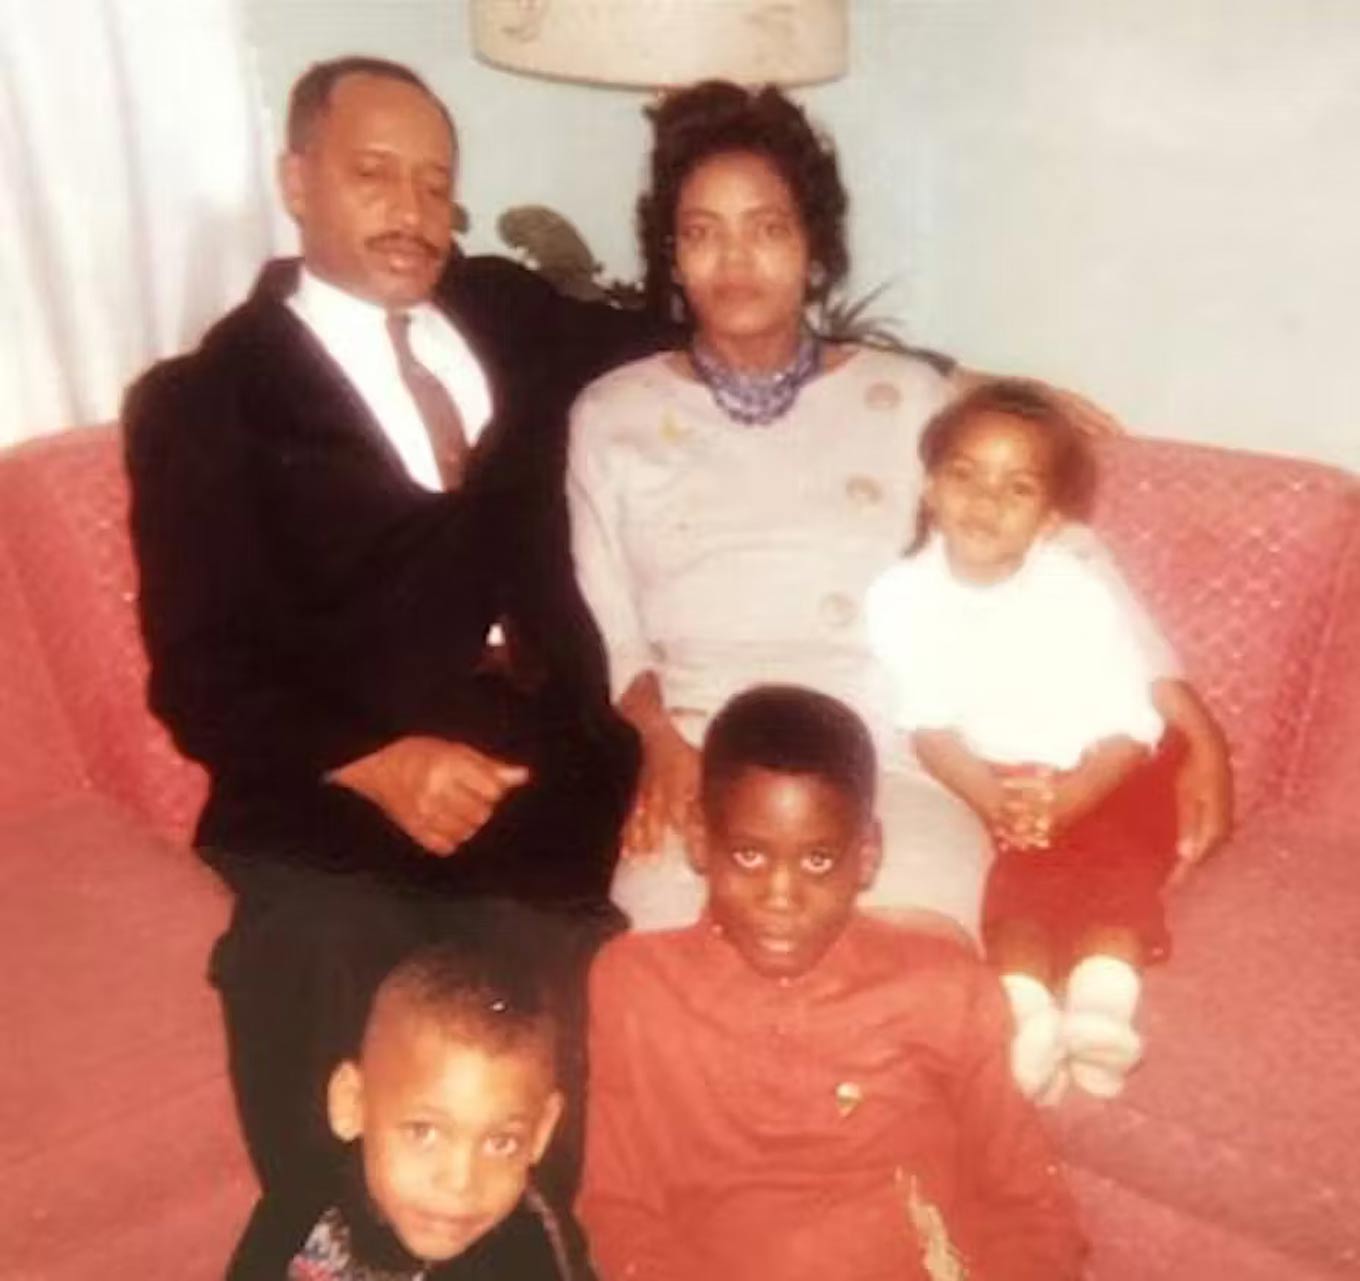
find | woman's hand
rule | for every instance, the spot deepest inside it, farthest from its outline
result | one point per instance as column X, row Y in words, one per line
column 668, row 785
column 1204, row 792
column 668, row 792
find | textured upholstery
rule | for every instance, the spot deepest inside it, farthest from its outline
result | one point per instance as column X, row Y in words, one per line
column 38, row 759
column 1237, row 555
column 63, row 515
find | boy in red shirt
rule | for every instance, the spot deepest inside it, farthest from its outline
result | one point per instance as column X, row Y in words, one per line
column 790, row 1089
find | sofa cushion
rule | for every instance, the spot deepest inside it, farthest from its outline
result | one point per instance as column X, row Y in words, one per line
column 1237, row 555
column 63, row 514
column 115, row 1058
column 38, row 758
column 1244, row 1113
column 1134, row 1238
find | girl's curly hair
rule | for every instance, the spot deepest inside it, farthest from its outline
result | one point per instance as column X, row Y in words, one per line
column 717, row 118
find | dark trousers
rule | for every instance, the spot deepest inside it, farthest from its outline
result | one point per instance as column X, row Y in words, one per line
column 330, row 895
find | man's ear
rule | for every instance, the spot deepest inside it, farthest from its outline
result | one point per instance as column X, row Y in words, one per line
column 345, row 1101
column 547, row 1123
column 870, row 853
column 292, row 183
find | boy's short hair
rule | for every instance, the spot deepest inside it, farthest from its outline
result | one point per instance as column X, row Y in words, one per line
column 790, row 730
column 478, row 989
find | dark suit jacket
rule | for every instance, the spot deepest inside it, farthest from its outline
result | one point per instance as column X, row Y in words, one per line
column 303, row 601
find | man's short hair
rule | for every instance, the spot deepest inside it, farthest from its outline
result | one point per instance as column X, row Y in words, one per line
column 790, row 730
column 311, row 94
column 485, row 991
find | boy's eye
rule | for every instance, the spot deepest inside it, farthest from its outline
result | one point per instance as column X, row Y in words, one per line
column 746, row 858
column 819, row 862
column 774, row 228
column 1024, row 489
column 503, row 1145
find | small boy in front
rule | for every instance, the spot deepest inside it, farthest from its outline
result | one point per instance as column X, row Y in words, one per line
column 449, row 1103
column 792, row 1090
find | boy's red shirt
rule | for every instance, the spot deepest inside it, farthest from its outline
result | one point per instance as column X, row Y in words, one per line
column 858, row 1122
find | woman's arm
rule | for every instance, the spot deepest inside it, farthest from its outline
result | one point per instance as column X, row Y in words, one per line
column 1204, row 791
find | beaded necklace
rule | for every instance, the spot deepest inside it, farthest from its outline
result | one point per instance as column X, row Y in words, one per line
column 756, row 399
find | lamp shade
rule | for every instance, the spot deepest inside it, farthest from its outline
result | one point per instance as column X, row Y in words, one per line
column 661, row 43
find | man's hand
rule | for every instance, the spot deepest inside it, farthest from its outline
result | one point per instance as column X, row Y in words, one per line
column 438, row 792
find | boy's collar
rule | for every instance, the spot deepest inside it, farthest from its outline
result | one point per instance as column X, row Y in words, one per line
column 717, row 945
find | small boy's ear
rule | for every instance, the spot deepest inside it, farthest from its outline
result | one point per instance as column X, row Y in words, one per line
column 547, row 1123
column 870, row 853
column 345, row 1101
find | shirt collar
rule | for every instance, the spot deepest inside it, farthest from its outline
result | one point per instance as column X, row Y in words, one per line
column 333, row 305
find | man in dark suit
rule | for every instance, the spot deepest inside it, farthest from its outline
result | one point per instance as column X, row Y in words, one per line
column 340, row 499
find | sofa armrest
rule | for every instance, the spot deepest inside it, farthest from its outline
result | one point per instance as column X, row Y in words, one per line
column 1324, row 777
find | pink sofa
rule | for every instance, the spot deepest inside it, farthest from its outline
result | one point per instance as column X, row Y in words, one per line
column 1234, row 1153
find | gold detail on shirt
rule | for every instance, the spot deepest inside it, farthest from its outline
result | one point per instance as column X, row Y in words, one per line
column 864, row 491
column 673, row 432
column 939, row 1257
column 837, row 610
column 883, row 396
column 849, row 1095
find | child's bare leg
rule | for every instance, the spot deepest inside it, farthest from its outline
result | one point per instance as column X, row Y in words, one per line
column 1023, row 954
column 1102, row 995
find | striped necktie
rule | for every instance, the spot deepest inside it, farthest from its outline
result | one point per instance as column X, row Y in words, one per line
column 443, row 422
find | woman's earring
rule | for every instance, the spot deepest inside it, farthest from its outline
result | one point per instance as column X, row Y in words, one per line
column 816, row 278
column 679, row 312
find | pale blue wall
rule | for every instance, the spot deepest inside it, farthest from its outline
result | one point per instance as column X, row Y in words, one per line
column 1155, row 201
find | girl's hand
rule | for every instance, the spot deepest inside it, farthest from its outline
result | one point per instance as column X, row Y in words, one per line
column 668, row 791
column 1024, row 817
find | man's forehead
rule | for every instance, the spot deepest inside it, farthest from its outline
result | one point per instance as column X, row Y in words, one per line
column 365, row 106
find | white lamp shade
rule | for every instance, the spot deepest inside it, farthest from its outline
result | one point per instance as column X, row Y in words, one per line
column 662, row 43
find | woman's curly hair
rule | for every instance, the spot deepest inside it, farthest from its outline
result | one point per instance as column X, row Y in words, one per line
column 717, row 118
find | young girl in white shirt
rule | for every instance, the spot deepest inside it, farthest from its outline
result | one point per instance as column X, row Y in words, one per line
column 1018, row 676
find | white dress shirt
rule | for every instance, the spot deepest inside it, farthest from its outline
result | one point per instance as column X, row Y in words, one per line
column 354, row 334
column 1036, row 668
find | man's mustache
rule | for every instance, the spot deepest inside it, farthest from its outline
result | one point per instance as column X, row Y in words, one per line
column 397, row 240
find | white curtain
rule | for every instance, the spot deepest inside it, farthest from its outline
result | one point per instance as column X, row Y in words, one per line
column 136, row 197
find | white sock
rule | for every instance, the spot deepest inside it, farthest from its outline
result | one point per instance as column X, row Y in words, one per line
column 1036, row 1047
column 1106, row 984
column 1097, row 1025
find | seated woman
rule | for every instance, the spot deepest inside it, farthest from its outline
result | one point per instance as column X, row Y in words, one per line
column 732, row 501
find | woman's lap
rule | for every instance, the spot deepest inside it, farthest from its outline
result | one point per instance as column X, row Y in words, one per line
column 935, row 858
